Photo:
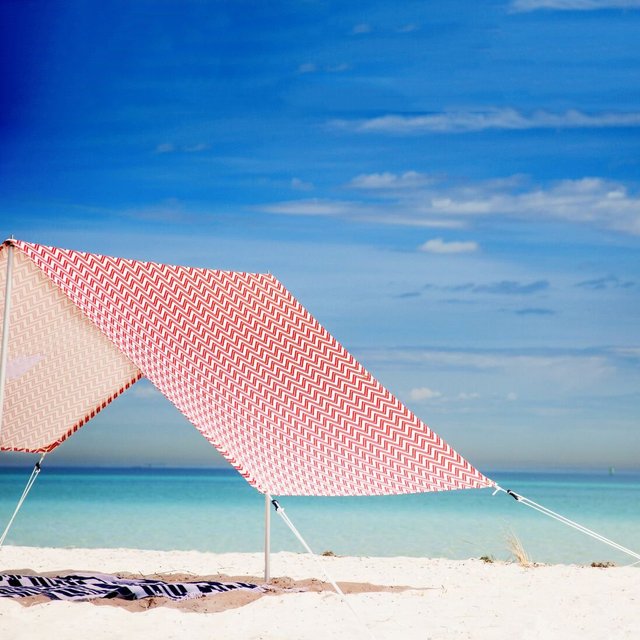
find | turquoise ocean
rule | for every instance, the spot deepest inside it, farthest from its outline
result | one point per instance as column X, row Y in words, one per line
column 216, row 510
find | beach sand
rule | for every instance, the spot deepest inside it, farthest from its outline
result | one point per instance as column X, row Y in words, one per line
column 397, row 598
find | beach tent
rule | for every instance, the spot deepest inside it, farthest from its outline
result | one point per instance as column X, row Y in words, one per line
column 236, row 353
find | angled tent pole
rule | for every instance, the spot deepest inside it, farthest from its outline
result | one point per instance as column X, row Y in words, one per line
column 280, row 511
column 4, row 347
column 570, row 523
column 30, row 483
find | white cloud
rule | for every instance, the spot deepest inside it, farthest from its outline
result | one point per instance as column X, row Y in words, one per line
column 169, row 147
column 311, row 207
column 495, row 118
column 632, row 353
column 308, row 67
column 312, row 67
column 169, row 210
column 360, row 211
column 301, row 185
column 414, row 199
column 438, row 245
column 407, row 28
column 362, row 27
column 501, row 373
column 387, row 180
column 196, row 148
column 465, row 397
column 145, row 389
column 421, row 394
column 519, row 6
column 337, row 68
column 594, row 201
column 552, row 365
column 165, row 147
column 424, row 393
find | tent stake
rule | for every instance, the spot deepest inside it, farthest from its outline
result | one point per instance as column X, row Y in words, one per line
column 30, row 483
column 267, row 537
column 4, row 348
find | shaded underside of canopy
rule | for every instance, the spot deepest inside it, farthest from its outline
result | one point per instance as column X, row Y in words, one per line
column 61, row 369
column 249, row 367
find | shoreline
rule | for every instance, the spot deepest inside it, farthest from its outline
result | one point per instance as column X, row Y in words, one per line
column 399, row 598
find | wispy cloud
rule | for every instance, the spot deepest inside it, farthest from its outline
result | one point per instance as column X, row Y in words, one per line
column 195, row 148
column 388, row 180
column 424, row 393
column 337, row 68
column 307, row 67
column 301, row 185
column 313, row 207
column 606, row 282
column 511, row 287
column 361, row 211
column 521, row 6
column 360, row 28
column 503, row 287
column 500, row 288
column 419, row 200
column 483, row 119
column 313, row 67
column 632, row 353
column 535, row 311
column 438, row 245
column 170, row 147
column 171, row 210
column 408, row 28
column 145, row 389
column 556, row 364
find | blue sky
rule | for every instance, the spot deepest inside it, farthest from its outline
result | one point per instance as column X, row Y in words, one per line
column 451, row 188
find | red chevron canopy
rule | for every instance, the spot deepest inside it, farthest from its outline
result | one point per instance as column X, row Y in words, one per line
column 236, row 353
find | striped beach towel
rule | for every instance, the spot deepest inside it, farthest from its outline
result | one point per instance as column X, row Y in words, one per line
column 91, row 586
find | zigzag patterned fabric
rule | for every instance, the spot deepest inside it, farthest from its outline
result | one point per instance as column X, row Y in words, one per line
column 90, row 587
column 257, row 375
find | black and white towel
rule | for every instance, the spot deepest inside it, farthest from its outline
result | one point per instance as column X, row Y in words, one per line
column 88, row 587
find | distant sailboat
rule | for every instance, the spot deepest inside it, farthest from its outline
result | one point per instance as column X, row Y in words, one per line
column 612, row 471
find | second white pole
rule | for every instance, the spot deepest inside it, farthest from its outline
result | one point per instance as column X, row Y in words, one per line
column 267, row 537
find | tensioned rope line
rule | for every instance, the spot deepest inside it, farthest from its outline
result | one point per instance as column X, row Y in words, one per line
column 30, row 483
column 280, row 511
column 564, row 520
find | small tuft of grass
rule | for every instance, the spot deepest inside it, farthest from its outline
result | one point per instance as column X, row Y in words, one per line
column 488, row 559
column 603, row 565
column 518, row 551
column 329, row 554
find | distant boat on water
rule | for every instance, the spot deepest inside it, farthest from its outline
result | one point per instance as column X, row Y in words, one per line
column 612, row 471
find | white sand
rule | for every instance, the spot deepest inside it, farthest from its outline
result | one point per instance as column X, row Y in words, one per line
column 447, row 599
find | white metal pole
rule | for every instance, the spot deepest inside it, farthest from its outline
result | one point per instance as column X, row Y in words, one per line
column 267, row 537
column 4, row 348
